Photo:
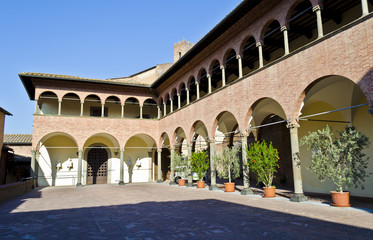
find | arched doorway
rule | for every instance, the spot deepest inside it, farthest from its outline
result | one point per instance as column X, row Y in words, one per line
column 97, row 165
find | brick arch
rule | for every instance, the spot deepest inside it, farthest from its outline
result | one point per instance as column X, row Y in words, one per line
column 226, row 53
column 211, row 65
column 166, row 97
column 173, row 92
column 173, row 142
column 137, row 135
column 128, row 97
column 179, row 88
column 36, row 141
column 120, row 100
column 302, row 94
column 109, row 136
column 46, row 91
column 74, row 94
column 252, row 107
column 292, row 5
column 97, row 95
column 192, row 130
column 264, row 27
column 217, row 119
column 243, row 41
column 190, row 80
column 162, row 137
column 149, row 98
column 200, row 73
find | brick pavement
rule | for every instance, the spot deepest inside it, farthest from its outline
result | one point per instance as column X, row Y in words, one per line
column 160, row 211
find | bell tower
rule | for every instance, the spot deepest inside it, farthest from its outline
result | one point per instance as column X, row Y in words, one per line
column 180, row 49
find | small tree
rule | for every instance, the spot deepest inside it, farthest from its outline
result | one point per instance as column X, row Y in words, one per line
column 200, row 163
column 262, row 160
column 180, row 165
column 228, row 163
column 341, row 159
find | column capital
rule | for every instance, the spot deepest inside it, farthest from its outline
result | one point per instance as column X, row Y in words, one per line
column 60, row 101
column 316, row 8
column 197, row 83
column 284, row 28
column 82, row 101
column 178, row 94
column 172, row 148
column 258, row 44
column 222, row 67
column 244, row 134
column 122, row 150
column 238, row 56
column 211, row 140
column 292, row 125
column 159, row 150
column 208, row 75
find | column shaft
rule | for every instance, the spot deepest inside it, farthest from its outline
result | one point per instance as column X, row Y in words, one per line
column 79, row 175
column 172, row 177
column 159, row 112
column 239, row 66
column 212, row 166
column 37, row 110
column 364, row 6
column 190, row 178
column 122, row 110
column 197, row 87
column 33, row 167
column 121, row 175
column 245, row 169
column 259, row 46
column 286, row 39
column 140, row 112
column 102, row 110
column 209, row 82
column 178, row 101
column 320, row 31
column 187, row 92
column 164, row 109
column 59, row 107
column 298, row 187
column 171, row 105
column 81, row 109
column 222, row 75
column 159, row 177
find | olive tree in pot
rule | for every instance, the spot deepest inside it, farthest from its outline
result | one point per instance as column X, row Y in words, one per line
column 262, row 160
column 340, row 159
column 199, row 163
column 181, row 166
column 228, row 165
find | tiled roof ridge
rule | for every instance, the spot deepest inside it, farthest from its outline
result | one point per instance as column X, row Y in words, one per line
column 17, row 138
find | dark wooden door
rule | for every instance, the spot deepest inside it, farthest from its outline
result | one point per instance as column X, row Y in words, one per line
column 97, row 166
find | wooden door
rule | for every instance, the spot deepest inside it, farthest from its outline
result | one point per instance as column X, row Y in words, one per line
column 97, row 166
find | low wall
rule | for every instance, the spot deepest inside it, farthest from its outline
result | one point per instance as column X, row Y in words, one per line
column 12, row 190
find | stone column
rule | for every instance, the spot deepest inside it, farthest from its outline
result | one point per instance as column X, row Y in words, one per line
column 212, row 165
column 140, row 112
column 178, row 101
column 320, row 31
column 190, row 179
column 79, row 177
column 33, row 167
column 187, row 93
column 121, row 182
column 260, row 49
column 298, row 187
column 122, row 110
column 37, row 109
column 171, row 105
column 172, row 176
column 209, row 82
column 222, row 68
column 159, row 178
column 81, row 109
column 286, row 39
column 164, row 109
column 364, row 6
column 59, row 107
column 245, row 169
column 239, row 66
column 159, row 112
column 102, row 109
column 197, row 87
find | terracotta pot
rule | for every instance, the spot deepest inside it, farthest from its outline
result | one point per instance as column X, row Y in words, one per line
column 269, row 192
column 201, row 184
column 229, row 187
column 340, row 199
column 181, row 182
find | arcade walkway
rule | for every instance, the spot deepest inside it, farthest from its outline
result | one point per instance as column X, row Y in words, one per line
column 160, row 211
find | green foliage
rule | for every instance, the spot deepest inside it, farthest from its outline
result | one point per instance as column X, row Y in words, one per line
column 228, row 163
column 200, row 163
column 262, row 160
column 181, row 165
column 340, row 160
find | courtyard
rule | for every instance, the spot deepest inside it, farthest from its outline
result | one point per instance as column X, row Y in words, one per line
column 161, row 211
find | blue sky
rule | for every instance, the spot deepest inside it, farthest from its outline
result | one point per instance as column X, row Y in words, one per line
column 92, row 38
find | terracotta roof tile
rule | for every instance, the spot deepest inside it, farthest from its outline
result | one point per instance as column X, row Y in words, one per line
column 17, row 138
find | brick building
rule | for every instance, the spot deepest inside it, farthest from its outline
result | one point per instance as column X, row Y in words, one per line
column 261, row 73
column 3, row 149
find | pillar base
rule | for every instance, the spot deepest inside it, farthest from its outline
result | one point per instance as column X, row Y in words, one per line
column 121, row 183
column 247, row 191
column 159, row 181
column 172, row 183
column 79, row 185
column 213, row 188
column 298, row 197
column 189, row 184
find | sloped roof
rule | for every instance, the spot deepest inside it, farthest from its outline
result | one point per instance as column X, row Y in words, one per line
column 5, row 111
column 17, row 139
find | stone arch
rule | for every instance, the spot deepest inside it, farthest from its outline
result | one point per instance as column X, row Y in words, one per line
column 48, row 102
column 179, row 141
column 45, row 92
column 225, row 130
column 67, row 93
column 49, row 135
column 265, row 26
column 150, row 110
column 212, row 63
column 132, row 107
column 199, row 128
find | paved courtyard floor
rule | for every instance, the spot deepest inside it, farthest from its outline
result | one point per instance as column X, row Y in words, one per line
column 160, row 211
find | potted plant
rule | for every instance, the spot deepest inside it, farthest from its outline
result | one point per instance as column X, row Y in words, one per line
column 199, row 163
column 228, row 166
column 262, row 160
column 181, row 167
column 340, row 159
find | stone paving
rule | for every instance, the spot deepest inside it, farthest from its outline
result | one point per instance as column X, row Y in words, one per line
column 159, row 211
